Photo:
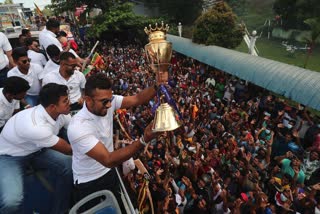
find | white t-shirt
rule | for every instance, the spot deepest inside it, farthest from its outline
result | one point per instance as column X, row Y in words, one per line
column 34, row 76
column 50, row 67
column 47, row 38
column 211, row 81
column 75, row 83
column 4, row 46
column 84, row 132
column 6, row 108
column 37, row 58
column 31, row 130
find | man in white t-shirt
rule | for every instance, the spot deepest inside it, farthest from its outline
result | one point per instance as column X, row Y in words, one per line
column 48, row 35
column 33, row 73
column 67, row 75
column 33, row 52
column 29, row 138
column 14, row 90
column 54, row 60
column 5, row 58
column 91, row 136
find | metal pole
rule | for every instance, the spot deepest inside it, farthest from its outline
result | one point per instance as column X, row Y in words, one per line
column 129, row 203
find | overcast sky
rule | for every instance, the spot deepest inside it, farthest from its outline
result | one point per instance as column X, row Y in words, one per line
column 29, row 3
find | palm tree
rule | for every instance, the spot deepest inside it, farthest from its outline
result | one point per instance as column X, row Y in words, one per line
column 314, row 24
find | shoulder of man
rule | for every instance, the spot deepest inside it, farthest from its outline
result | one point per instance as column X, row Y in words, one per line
column 27, row 127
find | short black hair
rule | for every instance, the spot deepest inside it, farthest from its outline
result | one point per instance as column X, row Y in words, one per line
column 52, row 23
column 19, row 52
column 15, row 85
column 29, row 41
column 25, row 31
column 97, row 81
column 62, row 33
column 51, row 93
column 53, row 51
column 66, row 55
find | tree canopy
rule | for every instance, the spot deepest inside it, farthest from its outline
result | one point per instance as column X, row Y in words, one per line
column 294, row 12
column 218, row 26
column 120, row 21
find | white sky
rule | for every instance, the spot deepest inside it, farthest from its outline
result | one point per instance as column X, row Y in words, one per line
column 29, row 3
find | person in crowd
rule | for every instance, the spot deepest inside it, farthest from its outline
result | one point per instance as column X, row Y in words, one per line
column 25, row 34
column 14, row 90
column 53, row 64
column 94, row 157
column 48, row 35
column 6, row 60
column 33, row 73
column 29, row 138
column 291, row 165
column 67, row 44
column 33, row 52
column 69, row 76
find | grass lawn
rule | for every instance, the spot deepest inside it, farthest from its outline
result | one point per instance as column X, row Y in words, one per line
column 272, row 49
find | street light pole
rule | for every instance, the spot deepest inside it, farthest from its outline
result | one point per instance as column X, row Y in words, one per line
column 180, row 29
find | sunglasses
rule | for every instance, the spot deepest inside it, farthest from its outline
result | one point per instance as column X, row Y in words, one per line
column 106, row 101
column 26, row 61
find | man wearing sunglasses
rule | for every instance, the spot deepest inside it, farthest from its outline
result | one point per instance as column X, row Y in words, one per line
column 69, row 76
column 31, row 72
column 33, row 52
column 91, row 136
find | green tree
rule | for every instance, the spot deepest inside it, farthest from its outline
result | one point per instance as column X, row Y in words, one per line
column 120, row 22
column 218, row 27
column 8, row 2
column 294, row 12
column 314, row 24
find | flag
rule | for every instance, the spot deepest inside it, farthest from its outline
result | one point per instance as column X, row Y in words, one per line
column 97, row 61
column 39, row 12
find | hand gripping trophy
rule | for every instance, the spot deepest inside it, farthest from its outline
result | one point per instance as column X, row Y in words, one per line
column 159, row 51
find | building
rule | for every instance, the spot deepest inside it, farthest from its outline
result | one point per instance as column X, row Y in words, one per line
column 13, row 15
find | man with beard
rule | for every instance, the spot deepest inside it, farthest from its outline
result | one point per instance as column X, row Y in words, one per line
column 67, row 75
column 91, row 136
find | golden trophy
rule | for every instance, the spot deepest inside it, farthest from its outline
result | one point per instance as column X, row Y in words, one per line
column 158, row 52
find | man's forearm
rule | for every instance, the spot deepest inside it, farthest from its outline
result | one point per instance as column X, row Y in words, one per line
column 11, row 62
column 146, row 95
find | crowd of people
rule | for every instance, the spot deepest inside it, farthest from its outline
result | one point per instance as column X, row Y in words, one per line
column 240, row 149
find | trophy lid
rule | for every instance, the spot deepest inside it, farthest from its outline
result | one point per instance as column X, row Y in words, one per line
column 158, row 32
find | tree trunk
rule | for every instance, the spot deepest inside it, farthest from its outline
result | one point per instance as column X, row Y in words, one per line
column 309, row 54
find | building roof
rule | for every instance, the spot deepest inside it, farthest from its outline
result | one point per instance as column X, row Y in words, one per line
column 298, row 84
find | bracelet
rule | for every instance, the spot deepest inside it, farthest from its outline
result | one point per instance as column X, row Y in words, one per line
column 142, row 141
